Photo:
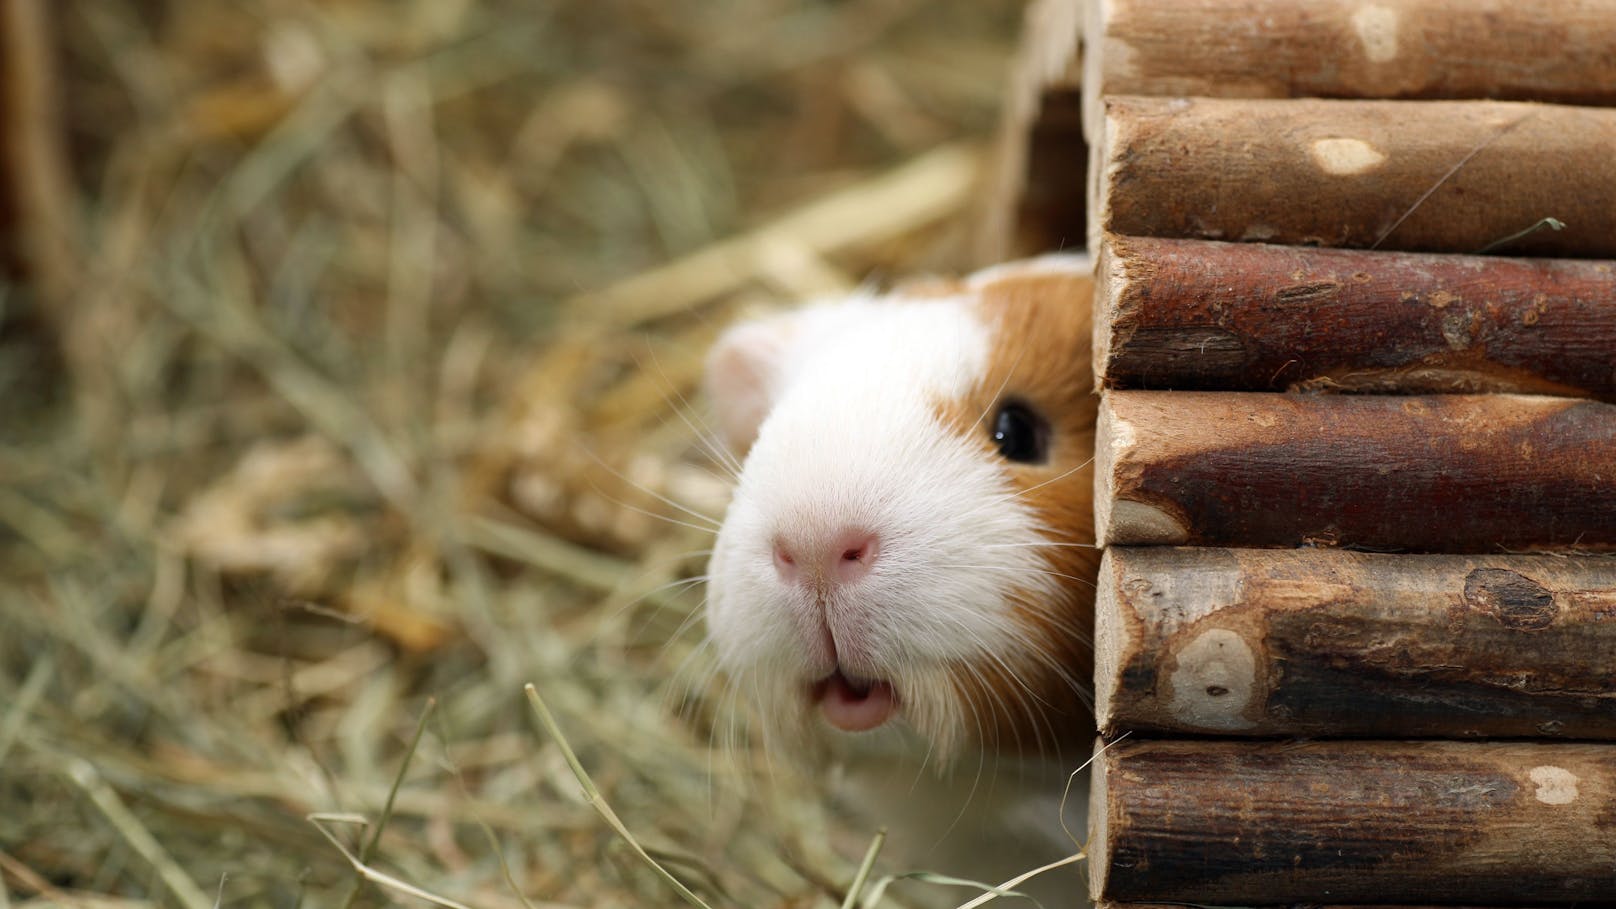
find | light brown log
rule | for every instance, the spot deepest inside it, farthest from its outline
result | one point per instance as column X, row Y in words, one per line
column 1318, row 642
column 1199, row 314
column 1440, row 473
column 1439, row 176
column 1502, row 49
column 1266, row 823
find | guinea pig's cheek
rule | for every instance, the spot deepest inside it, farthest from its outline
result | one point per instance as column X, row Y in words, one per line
column 726, row 607
column 744, row 615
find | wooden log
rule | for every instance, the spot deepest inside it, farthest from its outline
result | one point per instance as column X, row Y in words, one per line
column 1197, row 314
column 1265, row 823
column 1322, row 642
column 1439, row 176
column 1440, row 473
column 1352, row 49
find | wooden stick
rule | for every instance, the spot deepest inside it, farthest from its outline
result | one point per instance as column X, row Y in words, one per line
column 1440, row 176
column 1265, row 823
column 1441, row 473
column 1191, row 314
column 1352, row 49
column 1324, row 642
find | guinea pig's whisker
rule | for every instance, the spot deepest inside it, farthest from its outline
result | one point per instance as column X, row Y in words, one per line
column 1010, row 676
column 1002, row 386
column 673, row 587
column 1049, row 611
column 707, row 518
column 685, row 626
column 1064, row 676
column 704, row 528
column 727, row 478
column 653, row 567
column 703, row 433
column 601, row 462
column 688, row 682
column 1055, row 479
column 730, row 716
column 925, row 761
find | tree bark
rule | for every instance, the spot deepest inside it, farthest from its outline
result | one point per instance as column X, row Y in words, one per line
column 1353, row 49
column 1325, row 642
column 1439, row 176
column 1197, row 314
column 1265, row 823
column 1441, row 473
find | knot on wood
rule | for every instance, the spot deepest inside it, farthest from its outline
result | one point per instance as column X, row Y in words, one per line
column 1517, row 601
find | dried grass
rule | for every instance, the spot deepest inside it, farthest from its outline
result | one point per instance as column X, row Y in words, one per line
column 385, row 334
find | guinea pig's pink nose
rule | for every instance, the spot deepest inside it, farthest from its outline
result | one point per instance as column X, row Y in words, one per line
column 840, row 558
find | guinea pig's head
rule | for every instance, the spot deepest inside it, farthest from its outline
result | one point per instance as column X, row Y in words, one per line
column 911, row 536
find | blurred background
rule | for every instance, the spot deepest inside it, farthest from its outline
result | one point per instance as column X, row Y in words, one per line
column 349, row 364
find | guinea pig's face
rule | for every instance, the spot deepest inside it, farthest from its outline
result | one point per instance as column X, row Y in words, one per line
column 911, row 536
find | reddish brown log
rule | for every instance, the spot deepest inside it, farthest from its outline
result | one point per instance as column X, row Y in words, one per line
column 1320, row 642
column 1352, row 49
column 1189, row 314
column 1442, row 473
column 1266, row 823
column 1440, row 176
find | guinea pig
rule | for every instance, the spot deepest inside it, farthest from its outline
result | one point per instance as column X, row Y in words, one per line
column 911, row 538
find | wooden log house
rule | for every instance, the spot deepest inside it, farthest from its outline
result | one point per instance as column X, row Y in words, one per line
column 1356, row 459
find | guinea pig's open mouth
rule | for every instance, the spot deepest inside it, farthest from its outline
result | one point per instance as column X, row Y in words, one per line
column 854, row 704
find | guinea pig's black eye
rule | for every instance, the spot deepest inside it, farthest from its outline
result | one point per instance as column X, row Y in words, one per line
column 1021, row 434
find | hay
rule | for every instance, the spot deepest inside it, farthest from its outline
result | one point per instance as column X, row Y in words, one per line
column 386, row 322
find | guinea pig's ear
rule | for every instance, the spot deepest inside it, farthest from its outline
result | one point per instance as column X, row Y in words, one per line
column 743, row 376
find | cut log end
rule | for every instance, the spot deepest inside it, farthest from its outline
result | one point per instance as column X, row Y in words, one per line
column 1111, row 642
column 1118, row 519
column 1099, row 844
column 1144, row 524
column 1099, row 177
column 1110, row 281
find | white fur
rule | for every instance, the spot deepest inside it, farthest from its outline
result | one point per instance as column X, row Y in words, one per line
column 852, row 439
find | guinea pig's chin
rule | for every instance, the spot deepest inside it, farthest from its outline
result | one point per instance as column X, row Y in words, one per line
column 799, row 701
